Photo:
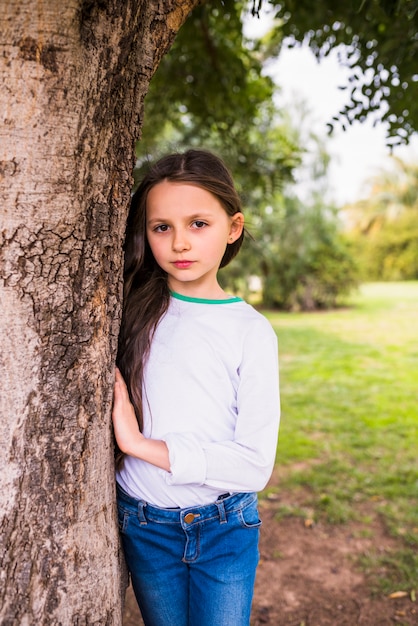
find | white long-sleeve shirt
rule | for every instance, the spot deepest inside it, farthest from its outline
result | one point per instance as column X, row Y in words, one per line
column 211, row 392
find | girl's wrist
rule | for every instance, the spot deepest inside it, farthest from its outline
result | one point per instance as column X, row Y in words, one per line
column 152, row 451
column 133, row 447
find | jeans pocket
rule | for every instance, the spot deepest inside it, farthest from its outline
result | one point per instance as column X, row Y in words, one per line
column 249, row 517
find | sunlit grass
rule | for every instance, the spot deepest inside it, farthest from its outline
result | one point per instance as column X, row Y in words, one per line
column 349, row 388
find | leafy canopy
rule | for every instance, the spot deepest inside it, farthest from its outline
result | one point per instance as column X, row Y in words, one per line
column 380, row 45
column 210, row 90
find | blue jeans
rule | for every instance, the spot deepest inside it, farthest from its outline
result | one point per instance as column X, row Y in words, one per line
column 193, row 566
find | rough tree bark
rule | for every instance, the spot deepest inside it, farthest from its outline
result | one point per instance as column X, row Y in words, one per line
column 73, row 76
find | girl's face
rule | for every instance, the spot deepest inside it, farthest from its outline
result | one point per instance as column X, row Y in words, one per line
column 188, row 231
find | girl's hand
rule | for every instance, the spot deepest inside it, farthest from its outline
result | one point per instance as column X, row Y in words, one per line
column 128, row 436
column 125, row 424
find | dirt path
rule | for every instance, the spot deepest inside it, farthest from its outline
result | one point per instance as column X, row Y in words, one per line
column 307, row 577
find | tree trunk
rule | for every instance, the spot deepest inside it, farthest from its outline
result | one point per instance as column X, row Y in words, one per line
column 73, row 76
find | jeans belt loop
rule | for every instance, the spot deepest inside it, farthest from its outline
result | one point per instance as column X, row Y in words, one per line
column 222, row 513
column 141, row 514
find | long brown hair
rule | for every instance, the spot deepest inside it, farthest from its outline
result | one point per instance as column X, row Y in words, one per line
column 146, row 292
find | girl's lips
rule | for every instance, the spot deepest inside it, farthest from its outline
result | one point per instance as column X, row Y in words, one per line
column 182, row 265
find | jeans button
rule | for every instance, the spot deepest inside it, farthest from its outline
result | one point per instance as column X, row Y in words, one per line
column 189, row 518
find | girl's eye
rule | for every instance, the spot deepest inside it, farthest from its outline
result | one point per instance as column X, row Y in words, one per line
column 199, row 224
column 162, row 228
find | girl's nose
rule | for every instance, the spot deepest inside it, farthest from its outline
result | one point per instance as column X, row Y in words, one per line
column 180, row 242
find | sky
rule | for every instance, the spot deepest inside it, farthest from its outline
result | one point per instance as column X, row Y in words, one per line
column 358, row 153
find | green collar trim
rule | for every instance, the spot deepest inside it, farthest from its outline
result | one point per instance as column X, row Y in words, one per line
column 179, row 296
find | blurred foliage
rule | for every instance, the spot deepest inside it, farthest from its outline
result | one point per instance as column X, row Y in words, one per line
column 304, row 261
column 210, row 91
column 313, row 273
column 384, row 226
column 214, row 76
column 380, row 46
column 393, row 255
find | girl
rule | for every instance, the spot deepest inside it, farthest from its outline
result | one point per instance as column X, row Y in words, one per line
column 197, row 419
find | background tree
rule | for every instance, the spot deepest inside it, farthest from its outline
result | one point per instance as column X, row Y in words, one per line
column 304, row 260
column 73, row 78
column 377, row 39
column 217, row 96
column 384, row 225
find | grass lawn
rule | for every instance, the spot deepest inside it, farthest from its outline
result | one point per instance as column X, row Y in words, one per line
column 348, row 444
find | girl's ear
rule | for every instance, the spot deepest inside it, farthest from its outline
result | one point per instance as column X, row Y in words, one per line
column 236, row 228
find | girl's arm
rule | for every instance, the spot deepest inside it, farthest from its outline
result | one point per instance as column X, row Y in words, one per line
column 128, row 436
column 244, row 461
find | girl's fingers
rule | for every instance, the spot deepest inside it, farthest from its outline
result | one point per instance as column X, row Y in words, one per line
column 120, row 384
column 120, row 394
column 118, row 376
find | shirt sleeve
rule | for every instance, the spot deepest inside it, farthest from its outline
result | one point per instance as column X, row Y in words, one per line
column 244, row 463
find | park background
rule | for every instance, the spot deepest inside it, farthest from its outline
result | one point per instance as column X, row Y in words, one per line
column 340, row 522
column 334, row 266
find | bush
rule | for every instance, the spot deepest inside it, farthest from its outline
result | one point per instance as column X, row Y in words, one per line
column 307, row 264
column 302, row 260
column 392, row 254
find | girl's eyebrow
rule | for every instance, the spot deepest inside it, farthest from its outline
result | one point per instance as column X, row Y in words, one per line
column 195, row 216
column 156, row 220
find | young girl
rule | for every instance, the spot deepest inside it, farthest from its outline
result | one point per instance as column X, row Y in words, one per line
column 197, row 419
